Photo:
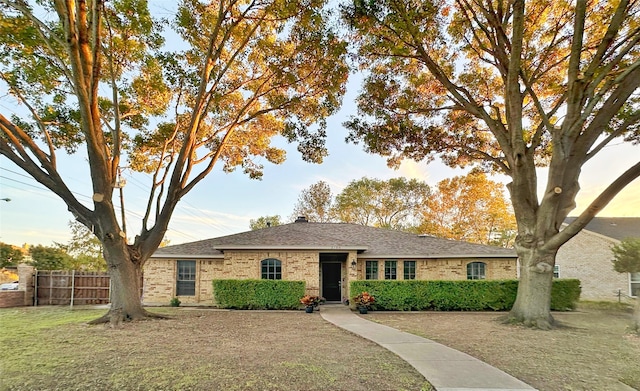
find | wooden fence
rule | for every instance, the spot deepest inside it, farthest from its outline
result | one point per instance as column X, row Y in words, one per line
column 55, row 287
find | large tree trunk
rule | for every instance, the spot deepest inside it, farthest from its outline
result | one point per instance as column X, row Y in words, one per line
column 125, row 273
column 533, row 302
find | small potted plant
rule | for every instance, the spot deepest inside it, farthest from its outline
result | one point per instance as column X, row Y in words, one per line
column 310, row 302
column 363, row 302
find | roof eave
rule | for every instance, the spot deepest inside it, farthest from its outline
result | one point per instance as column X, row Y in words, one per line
column 434, row 256
column 291, row 247
column 187, row 256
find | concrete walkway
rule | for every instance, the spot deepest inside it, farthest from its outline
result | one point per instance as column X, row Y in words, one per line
column 445, row 368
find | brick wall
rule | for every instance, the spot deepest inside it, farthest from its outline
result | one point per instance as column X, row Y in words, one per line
column 587, row 257
column 10, row 299
column 158, row 286
column 26, row 283
column 24, row 295
column 160, row 274
column 448, row 269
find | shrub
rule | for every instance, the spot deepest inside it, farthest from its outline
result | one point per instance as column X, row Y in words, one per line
column 465, row 295
column 312, row 301
column 364, row 299
column 565, row 294
column 258, row 294
column 175, row 302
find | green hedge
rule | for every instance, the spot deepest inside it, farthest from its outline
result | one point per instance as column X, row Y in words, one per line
column 466, row 295
column 565, row 294
column 258, row 294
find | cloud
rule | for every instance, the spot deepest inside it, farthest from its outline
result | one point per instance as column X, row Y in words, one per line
column 414, row 170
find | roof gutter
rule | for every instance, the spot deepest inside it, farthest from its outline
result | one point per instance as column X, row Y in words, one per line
column 434, row 256
column 290, row 247
column 187, row 256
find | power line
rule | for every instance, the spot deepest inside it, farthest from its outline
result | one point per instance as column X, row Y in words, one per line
column 48, row 193
column 40, row 187
column 209, row 222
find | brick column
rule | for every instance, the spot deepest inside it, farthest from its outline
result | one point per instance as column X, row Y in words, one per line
column 25, row 276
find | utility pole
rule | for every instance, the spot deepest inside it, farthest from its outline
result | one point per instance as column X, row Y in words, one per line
column 120, row 182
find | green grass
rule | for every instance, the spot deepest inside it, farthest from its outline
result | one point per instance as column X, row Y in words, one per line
column 605, row 305
column 53, row 348
column 26, row 336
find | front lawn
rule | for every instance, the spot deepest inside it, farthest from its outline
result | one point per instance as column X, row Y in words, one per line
column 591, row 350
column 52, row 348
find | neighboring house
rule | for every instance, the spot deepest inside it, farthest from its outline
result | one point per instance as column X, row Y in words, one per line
column 327, row 256
column 587, row 257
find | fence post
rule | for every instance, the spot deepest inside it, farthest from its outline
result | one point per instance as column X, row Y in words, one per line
column 50, row 286
column 35, row 290
column 73, row 286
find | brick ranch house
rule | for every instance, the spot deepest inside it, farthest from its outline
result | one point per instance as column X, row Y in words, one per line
column 327, row 256
column 587, row 257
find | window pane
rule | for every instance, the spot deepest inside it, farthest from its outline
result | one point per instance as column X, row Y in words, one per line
column 271, row 269
column 390, row 270
column 186, row 288
column 371, row 270
column 476, row 271
column 409, row 270
column 186, row 279
column 635, row 284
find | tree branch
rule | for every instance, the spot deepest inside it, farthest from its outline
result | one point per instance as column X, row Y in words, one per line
column 592, row 210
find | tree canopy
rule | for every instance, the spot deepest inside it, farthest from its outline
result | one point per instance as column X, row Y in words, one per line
column 10, row 255
column 51, row 258
column 99, row 78
column 626, row 259
column 507, row 86
column 85, row 248
column 626, row 256
column 470, row 208
column 394, row 203
column 315, row 203
column 264, row 222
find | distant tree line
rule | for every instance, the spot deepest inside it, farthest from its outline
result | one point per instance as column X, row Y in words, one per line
column 82, row 252
column 470, row 208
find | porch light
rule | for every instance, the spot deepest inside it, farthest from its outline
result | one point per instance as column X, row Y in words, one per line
column 353, row 265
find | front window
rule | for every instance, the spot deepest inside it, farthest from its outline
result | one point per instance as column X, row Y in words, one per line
column 409, row 270
column 186, row 281
column 476, row 271
column 556, row 271
column 371, row 270
column 390, row 270
column 634, row 279
column 271, row 269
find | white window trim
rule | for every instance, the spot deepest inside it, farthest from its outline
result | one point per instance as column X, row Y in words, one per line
column 633, row 281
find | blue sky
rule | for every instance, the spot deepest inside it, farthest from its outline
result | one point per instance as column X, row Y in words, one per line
column 224, row 203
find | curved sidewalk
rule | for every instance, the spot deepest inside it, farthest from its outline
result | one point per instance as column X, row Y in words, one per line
column 445, row 368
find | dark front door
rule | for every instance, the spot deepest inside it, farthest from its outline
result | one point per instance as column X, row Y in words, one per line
column 331, row 281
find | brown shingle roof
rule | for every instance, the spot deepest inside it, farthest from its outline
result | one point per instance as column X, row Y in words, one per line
column 370, row 242
column 618, row 228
